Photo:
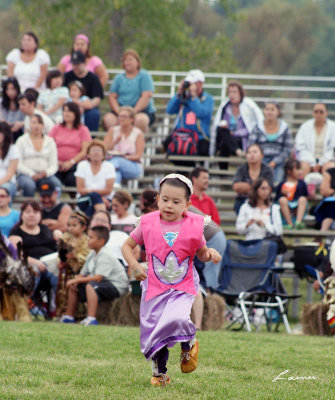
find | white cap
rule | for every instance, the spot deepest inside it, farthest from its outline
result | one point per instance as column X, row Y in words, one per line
column 195, row 75
column 182, row 178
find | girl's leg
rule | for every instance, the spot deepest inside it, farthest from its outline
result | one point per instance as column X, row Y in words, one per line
column 326, row 224
column 302, row 202
column 198, row 309
column 285, row 210
column 159, row 361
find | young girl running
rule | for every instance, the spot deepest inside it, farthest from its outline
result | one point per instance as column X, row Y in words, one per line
column 172, row 237
column 73, row 250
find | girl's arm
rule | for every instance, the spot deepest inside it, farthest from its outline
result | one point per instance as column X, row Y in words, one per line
column 206, row 254
column 128, row 253
column 61, row 101
column 102, row 74
column 10, row 171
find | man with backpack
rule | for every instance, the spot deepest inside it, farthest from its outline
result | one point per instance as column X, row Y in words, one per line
column 194, row 108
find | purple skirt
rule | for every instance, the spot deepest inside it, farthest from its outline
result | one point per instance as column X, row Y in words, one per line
column 165, row 319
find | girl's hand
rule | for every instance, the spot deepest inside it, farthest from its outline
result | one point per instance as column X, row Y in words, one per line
column 41, row 266
column 260, row 223
column 250, row 222
column 214, row 255
column 72, row 283
column 139, row 273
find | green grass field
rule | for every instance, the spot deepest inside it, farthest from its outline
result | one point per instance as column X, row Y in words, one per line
column 53, row 361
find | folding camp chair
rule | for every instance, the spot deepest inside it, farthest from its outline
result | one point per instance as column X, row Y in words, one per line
column 249, row 282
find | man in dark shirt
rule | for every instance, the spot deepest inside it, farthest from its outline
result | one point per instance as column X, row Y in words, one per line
column 92, row 85
column 54, row 213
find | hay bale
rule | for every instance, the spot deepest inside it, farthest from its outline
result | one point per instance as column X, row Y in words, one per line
column 213, row 316
column 314, row 319
column 124, row 310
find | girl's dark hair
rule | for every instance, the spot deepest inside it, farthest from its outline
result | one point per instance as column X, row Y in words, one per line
column 123, row 197
column 32, row 92
column 30, row 97
column 257, row 145
column 149, row 200
column 73, row 107
column 177, row 183
column 6, row 131
column 290, row 164
column 82, row 218
column 276, row 104
column 34, row 205
column 32, row 34
column 253, row 192
column 50, row 76
column 5, row 99
column 79, row 85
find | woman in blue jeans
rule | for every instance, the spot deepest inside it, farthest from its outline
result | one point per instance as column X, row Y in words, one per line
column 38, row 158
column 125, row 145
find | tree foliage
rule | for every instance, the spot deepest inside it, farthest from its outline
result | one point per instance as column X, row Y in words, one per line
column 156, row 29
column 278, row 37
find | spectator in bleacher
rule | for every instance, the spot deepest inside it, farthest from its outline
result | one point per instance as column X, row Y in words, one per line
column 37, row 241
column 315, row 141
column 29, row 64
column 52, row 99
column 274, row 136
column 292, row 195
column 101, row 278
column 38, row 159
column 200, row 179
column 249, row 172
column 72, row 139
column 9, row 107
column 257, row 218
column 78, row 96
column 94, row 64
column 194, row 108
column 8, row 216
column 134, row 87
column 55, row 213
column 148, row 201
column 325, row 211
column 9, row 159
column 92, row 87
column 234, row 121
column 27, row 102
column 120, row 205
column 95, row 180
column 125, row 144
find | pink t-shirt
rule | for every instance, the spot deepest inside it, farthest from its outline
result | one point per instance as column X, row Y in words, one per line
column 69, row 141
column 91, row 64
column 170, row 232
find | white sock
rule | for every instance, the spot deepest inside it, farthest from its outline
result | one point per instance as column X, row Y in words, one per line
column 68, row 317
column 90, row 318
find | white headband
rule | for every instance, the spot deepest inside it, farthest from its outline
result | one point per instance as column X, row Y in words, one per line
column 182, row 178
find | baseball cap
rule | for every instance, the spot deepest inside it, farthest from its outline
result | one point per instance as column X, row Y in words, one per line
column 46, row 188
column 195, row 75
column 78, row 57
column 182, row 178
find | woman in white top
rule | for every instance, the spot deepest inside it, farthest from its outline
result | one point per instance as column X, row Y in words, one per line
column 28, row 64
column 126, row 144
column 257, row 218
column 95, row 179
column 315, row 142
column 38, row 158
column 9, row 158
column 120, row 205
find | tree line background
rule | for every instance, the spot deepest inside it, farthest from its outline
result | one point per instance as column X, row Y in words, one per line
column 247, row 36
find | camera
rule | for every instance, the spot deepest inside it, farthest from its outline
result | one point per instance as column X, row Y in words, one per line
column 185, row 90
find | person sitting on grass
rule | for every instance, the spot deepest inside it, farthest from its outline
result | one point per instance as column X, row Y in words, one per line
column 292, row 195
column 101, row 278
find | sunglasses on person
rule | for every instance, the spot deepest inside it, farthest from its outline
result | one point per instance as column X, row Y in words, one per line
column 319, row 111
column 3, row 196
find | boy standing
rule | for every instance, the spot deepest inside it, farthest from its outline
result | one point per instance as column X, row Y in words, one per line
column 101, row 278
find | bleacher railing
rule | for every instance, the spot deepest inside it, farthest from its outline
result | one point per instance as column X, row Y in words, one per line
column 287, row 89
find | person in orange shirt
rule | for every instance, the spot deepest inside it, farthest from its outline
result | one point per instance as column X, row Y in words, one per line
column 200, row 179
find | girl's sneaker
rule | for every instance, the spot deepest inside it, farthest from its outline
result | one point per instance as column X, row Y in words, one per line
column 89, row 321
column 189, row 358
column 300, row 225
column 160, row 380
